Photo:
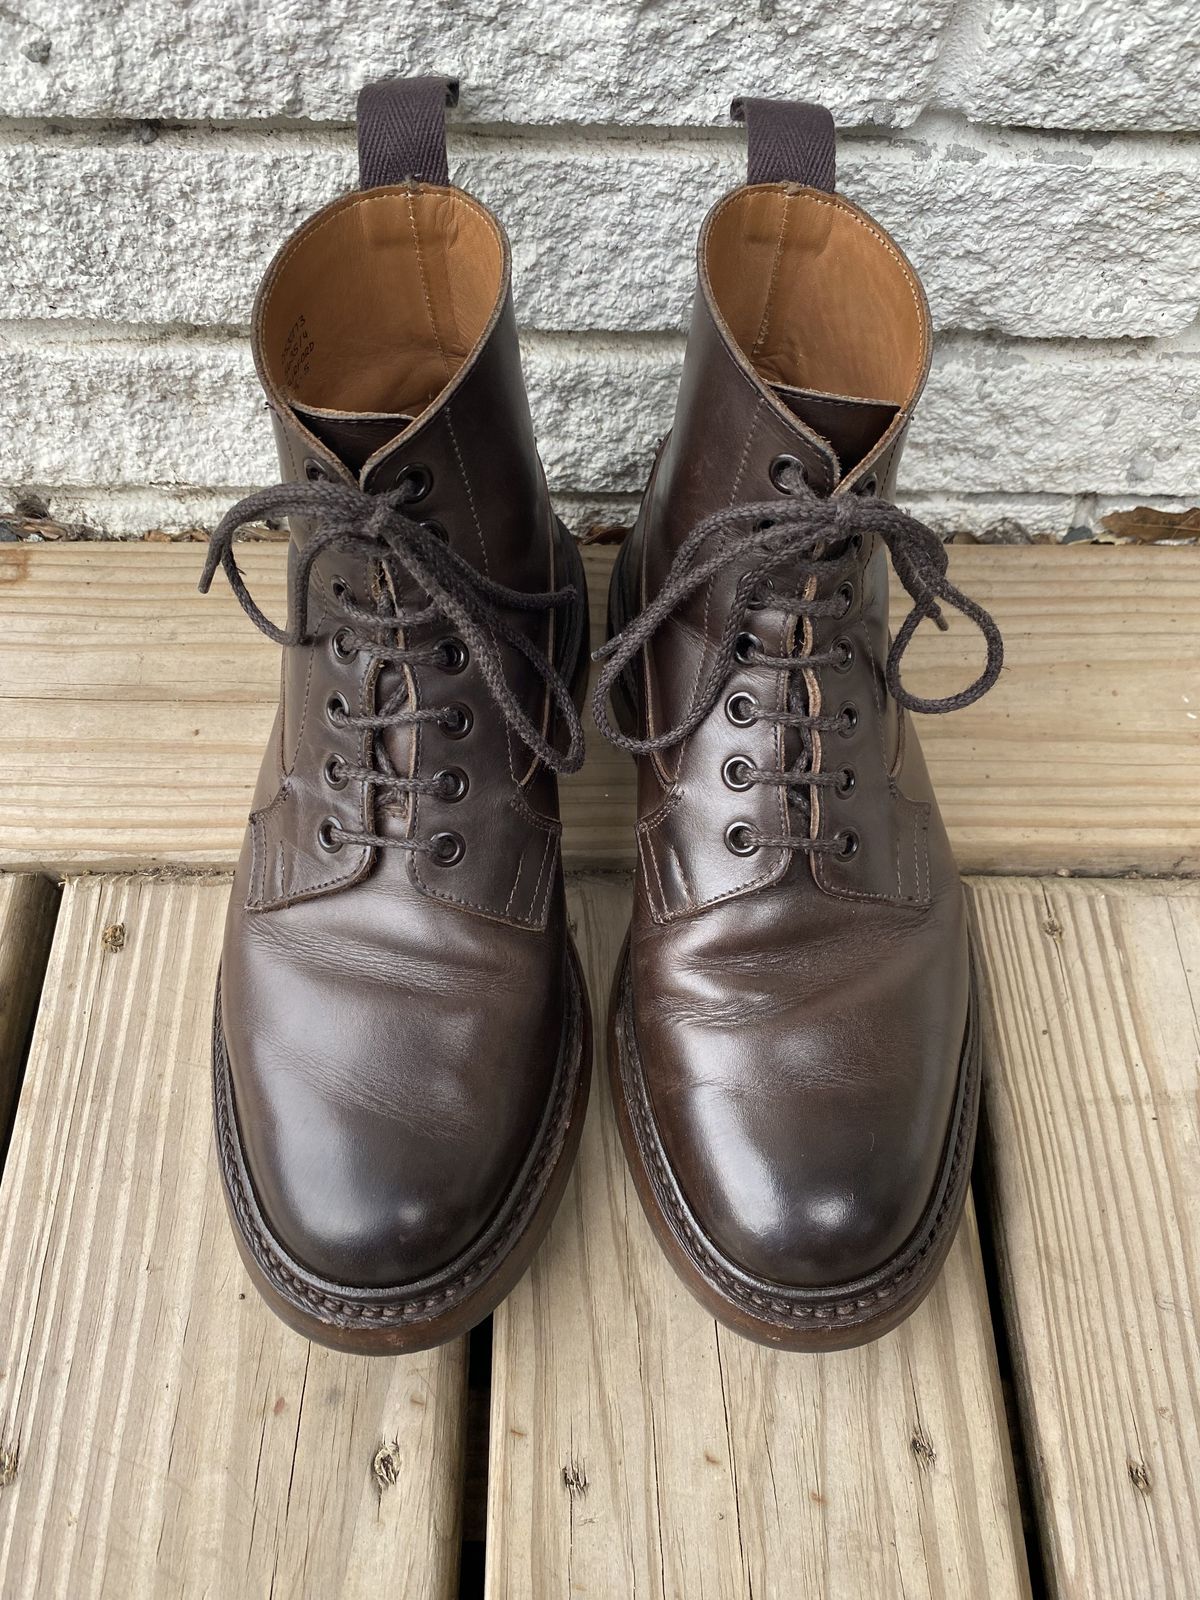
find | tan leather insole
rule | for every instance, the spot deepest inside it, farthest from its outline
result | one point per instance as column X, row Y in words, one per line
column 376, row 306
column 816, row 297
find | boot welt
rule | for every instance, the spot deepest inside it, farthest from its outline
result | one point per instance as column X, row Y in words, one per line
column 418, row 1315
column 832, row 1317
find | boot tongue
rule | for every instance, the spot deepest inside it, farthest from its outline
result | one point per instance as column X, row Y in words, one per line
column 354, row 437
column 851, row 426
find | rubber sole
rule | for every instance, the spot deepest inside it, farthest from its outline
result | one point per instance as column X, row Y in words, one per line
column 828, row 1318
column 418, row 1315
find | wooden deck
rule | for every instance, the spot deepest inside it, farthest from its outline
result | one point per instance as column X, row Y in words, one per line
column 1033, row 1430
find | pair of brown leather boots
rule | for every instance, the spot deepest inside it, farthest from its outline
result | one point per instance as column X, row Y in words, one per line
column 401, row 1042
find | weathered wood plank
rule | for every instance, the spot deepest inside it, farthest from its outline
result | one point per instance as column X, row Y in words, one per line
column 161, row 1433
column 27, row 908
column 639, row 1450
column 1092, row 1061
column 135, row 711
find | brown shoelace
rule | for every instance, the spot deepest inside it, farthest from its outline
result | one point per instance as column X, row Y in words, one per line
column 402, row 549
column 813, row 538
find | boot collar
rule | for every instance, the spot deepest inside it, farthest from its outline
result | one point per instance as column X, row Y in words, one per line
column 809, row 309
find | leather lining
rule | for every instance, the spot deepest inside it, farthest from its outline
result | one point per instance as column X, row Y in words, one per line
column 376, row 306
column 812, row 300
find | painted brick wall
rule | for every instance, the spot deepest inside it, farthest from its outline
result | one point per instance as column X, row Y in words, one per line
column 1035, row 158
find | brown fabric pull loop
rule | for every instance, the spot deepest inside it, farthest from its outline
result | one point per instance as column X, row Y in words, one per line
column 787, row 141
column 402, row 131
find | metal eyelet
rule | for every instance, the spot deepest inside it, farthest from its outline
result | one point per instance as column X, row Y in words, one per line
column 782, row 464
column 335, row 775
column 847, row 844
column 847, row 719
column 342, row 649
column 337, row 709
column 438, row 532
column 454, row 654
column 761, row 598
column 315, row 471
column 325, row 836
column 845, row 784
column 452, row 783
column 846, row 651
column 741, row 709
column 868, row 486
column 745, row 646
column 341, row 591
column 447, row 849
column 739, row 839
column 736, row 772
column 845, row 593
column 456, row 721
column 417, row 482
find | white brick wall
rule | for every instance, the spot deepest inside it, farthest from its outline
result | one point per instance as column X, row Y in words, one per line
column 1039, row 170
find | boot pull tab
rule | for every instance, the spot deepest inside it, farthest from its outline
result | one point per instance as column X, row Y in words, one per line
column 402, row 131
column 787, row 141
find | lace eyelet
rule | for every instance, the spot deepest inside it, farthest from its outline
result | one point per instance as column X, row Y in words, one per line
column 416, row 482
column 782, row 464
column 868, row 485
column 453, row 653
column 761, row 598
column 846, row 651
column 846, row 781
column 341, row 591
column 337, row 709
column 342, row 649
column 847, row 719
column 438, row 532
column 447, row 849
column 452, row 783
column 736, row 772
column 745, row 646
column 325, row 836
column 315, row 471
column 739, row 839
column 847, row 844
column 456, row 721
column 335, row 775
column 845, row 593
column 741, row 709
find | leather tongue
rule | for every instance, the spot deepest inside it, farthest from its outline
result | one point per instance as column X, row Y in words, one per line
column 852, row 426
column 353, row 436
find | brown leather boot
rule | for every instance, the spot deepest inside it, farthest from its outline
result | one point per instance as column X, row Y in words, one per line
column 401, row 1043
column 795, row 1050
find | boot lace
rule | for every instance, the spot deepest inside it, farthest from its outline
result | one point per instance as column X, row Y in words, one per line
column 817, row 540
column 405, row 555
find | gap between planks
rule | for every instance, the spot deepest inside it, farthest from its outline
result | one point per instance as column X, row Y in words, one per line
column 136, row 711
column 28, row 906
column 1092, row 1065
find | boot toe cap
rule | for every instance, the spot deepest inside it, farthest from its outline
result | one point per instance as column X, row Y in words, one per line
column 823, row 1229
column 370, row 1218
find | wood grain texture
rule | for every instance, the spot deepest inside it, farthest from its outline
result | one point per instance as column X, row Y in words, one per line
column 27, row 909
column 135, row 711
column 1092, row 1061
column 638, row 1449
column 161, row 1434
